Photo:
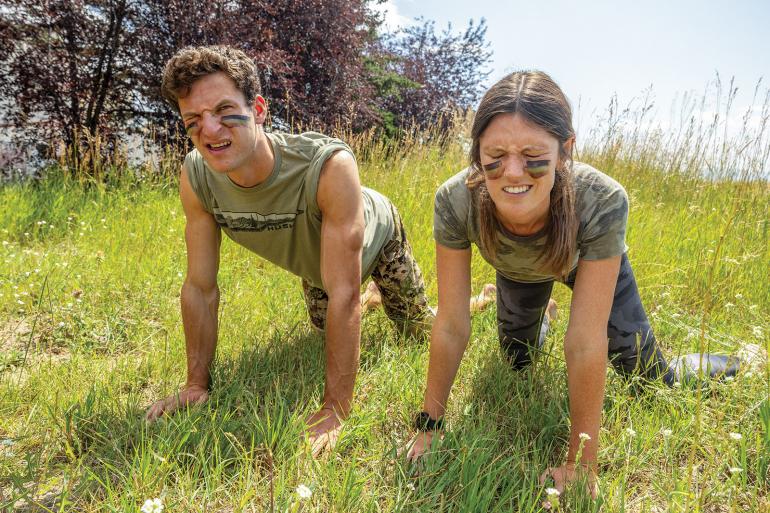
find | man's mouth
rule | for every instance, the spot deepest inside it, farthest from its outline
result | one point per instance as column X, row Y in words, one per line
column 218, row 146
column 517, row 189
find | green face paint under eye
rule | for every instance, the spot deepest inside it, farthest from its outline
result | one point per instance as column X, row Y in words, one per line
column 537, row 168
column 232, row 120
column 493, row 170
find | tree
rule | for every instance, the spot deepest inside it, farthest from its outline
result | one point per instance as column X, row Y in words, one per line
column 87, row 72
column 69, row 67
column 441, row 74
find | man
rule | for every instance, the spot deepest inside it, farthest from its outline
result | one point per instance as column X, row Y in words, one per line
column 296, row 200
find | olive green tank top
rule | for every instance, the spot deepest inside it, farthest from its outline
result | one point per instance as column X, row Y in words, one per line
column 279, row 219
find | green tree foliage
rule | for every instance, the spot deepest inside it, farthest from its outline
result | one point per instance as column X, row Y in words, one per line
column 78, row 69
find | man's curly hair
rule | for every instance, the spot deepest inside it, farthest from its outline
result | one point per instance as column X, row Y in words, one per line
column 194, row 62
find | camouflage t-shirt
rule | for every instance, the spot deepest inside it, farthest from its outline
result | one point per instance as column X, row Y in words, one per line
column 602, row 208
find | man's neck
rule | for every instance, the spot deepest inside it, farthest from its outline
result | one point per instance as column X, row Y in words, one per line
column 260, row 167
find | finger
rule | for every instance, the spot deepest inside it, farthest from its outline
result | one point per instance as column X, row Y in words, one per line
column 319, row 444
column 545, row 475
column 154, row 412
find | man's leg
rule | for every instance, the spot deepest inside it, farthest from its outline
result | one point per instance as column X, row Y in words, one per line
column 632, row 345
column 400, row 282
column 317, row 302
column 522, row 322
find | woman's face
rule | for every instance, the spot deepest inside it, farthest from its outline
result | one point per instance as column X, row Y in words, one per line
column 519, row 160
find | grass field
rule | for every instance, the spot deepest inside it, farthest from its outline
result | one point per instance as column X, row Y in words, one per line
column 91, row 335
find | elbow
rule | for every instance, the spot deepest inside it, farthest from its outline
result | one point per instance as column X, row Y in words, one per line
column 458, row 330
column 347, row 297
column 581, row 346
column 193, row 293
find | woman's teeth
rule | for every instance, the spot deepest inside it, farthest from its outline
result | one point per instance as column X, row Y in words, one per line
column 517, row 189
column 219, row 145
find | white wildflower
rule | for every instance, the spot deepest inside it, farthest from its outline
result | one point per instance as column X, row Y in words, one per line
column 736, row 470
column 729, row 305
column 584, row 437
column 552, row 491
column 666, row 432
column 152, row 506
column 631, row 432
column 304, row 492
column 739, row 296
column 757, row 331
column 736, row 436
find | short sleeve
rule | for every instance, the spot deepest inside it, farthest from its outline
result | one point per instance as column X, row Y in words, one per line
column 450, row 217
column 604, row 233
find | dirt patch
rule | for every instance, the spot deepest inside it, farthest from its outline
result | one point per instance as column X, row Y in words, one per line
column 26, row 342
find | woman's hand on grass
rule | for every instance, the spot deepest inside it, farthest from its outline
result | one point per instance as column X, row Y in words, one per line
column 323, row 430
column 564, row 475
column 189, row 396
column 420, row 444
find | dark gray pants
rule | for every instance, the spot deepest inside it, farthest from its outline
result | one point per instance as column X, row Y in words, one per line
column 632, row 350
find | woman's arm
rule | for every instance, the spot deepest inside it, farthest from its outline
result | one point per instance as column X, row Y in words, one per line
column 449, row 336
column 585, row 348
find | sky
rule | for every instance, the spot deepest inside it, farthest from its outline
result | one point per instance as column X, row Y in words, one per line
column 596, row 49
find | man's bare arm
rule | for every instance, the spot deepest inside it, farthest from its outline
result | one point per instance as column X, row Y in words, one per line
column 199, row 300
column 342, row 232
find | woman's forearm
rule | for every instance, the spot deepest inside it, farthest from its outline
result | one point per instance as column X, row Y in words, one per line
column 447, row 346
column 586, row 373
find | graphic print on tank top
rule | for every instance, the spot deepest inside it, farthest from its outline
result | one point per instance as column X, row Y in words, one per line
column 254, row 221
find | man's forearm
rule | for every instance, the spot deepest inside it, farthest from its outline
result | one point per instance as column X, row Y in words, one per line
column 343, row 337
column 199, row 317
column 586, row 374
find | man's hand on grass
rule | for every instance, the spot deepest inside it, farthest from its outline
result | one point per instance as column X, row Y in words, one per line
column 187, row 396
column 323, row 430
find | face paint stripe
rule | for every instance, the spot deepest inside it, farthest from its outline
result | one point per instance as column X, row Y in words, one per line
column 235, row 120
column 537, row 168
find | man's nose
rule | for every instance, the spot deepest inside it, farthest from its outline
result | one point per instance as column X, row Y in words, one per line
column 210, row 123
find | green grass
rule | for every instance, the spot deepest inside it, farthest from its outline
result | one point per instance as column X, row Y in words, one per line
column 91, row 335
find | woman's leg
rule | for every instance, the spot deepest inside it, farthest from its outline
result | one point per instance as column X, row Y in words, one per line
column 522, row 322
column 632, row 345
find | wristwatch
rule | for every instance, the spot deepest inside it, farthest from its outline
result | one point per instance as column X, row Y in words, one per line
column 424, row 422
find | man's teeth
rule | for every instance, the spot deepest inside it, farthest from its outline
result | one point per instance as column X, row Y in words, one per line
column 518, row 189
column 220, row 145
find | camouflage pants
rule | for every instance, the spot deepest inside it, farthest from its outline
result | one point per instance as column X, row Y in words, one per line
column 522, row 325
column 399, row 279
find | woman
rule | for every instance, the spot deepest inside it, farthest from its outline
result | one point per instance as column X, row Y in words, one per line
column 536, row 217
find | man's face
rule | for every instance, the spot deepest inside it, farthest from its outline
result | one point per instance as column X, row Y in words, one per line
column 221, row 124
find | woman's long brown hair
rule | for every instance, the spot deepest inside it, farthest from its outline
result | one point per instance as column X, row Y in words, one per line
column 536, row 97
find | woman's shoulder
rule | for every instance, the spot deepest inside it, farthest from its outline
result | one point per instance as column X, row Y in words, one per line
column 455, row 188
column 589, row 179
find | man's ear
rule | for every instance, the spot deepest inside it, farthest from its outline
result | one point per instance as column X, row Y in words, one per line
column 260, row 106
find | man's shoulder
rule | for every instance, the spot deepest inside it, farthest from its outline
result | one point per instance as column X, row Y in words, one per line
column 305, row 145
